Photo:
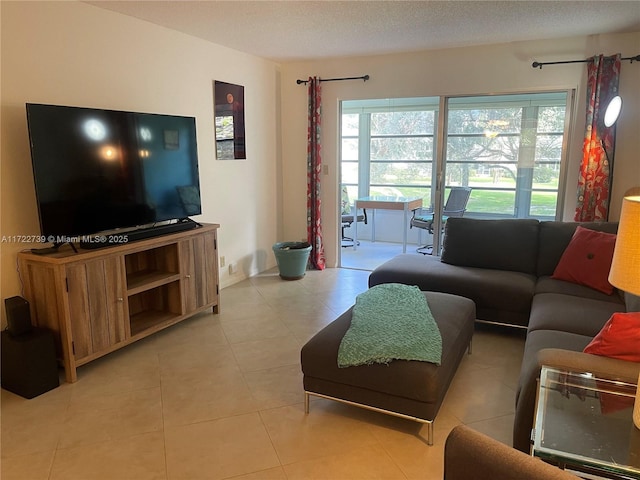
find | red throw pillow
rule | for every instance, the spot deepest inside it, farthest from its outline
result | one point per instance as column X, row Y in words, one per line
column 619, row 338
column 587, row 260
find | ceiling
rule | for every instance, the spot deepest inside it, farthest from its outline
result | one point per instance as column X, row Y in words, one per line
column 288, row 30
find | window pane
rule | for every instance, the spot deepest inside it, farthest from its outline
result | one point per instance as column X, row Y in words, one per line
column 485, row 121
column 508, row 148
column 495, row 175
column 350, row 124
column 492, row 202
column 402, row 123
column 352, row 192
column 549, row 148
column 483, row 149
column 543, row 204
column 551, row 119
column 350, row 173
column 403, row 191
column 402, row 149
column 546, row 177
column 401, row 173
column 349, row 149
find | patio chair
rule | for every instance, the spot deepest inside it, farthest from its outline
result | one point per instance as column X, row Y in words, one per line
column 455, row 206
column 348, row 217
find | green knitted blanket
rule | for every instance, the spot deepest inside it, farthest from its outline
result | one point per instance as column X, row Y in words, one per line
column 390, row 322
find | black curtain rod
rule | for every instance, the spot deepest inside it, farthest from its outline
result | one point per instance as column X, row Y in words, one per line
column 540, row 64
column 364, row 78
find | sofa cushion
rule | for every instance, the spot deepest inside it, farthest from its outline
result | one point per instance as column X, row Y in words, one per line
column 551, row 285
column 619, row 338
column 566, row 313
column 507, row 244
column 499, row 295
column 554, row 238
column 587, row 259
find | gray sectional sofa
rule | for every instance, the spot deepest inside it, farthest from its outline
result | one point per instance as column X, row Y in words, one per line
column 505, row 267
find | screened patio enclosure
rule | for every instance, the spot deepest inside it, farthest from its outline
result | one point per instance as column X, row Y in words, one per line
column 510, row 149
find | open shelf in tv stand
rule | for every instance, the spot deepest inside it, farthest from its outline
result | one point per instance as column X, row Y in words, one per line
column 98, row 301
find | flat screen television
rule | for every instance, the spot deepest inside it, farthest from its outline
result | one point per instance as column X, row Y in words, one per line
column 102, row 170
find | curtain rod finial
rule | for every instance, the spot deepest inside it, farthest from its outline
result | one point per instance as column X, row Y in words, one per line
column 366, row 77
column 537, row 65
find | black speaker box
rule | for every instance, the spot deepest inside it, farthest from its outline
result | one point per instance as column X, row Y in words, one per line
column 28, row 362
column 18, row 316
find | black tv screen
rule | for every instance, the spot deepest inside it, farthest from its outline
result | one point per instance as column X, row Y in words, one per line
column 100, row 170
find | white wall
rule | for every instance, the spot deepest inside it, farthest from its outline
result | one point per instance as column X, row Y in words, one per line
column 72, row 53
column 502, row 68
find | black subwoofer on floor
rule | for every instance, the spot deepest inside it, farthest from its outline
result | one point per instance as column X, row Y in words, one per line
column 29, row 366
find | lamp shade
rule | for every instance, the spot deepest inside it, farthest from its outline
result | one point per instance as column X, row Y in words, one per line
column 625, row 266
column 613, row 111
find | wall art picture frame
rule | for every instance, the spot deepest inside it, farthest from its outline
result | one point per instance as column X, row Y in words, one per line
column 229, row 121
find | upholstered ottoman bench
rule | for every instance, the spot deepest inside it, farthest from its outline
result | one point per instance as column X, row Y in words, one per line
column 409, row 389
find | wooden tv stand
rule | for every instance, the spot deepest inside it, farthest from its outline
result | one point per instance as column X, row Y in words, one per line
column 97, row 301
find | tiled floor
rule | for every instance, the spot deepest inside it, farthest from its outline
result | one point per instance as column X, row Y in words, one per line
column 220, row 396
column 369, row 255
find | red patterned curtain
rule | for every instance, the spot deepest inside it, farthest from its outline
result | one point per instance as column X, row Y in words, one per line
column 314, row 170
column 594, row 181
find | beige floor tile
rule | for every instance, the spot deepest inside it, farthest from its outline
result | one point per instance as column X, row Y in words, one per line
column 47, row 408
column 264, row 354
column 473, row 398
column 499, row 428
column 180, row 358
column 276, row 387
column 270, row 285
column 304, row 326
column 241, row 293
column 255, row 327
column 219, row 448
column 31, row 438
column 134, row 458
column 32, row 426
column 370, row 462
column 241, row 310
column 406, row 443
column 121, row 371
column 202, row 330
column 92, row 384
column 298, row 437
column 295, row 305
column 276, row 473
column 495, row 346
column 204, row 394
column 27, row 467
column 99, row 419
column 142, row 355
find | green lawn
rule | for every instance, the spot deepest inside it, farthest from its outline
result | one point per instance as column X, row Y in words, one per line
column 498, row 202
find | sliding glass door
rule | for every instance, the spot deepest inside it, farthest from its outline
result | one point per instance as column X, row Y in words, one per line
column 388, row 146
column 509, row 149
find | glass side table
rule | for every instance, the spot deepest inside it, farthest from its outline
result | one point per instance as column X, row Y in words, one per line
column 584, row 423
